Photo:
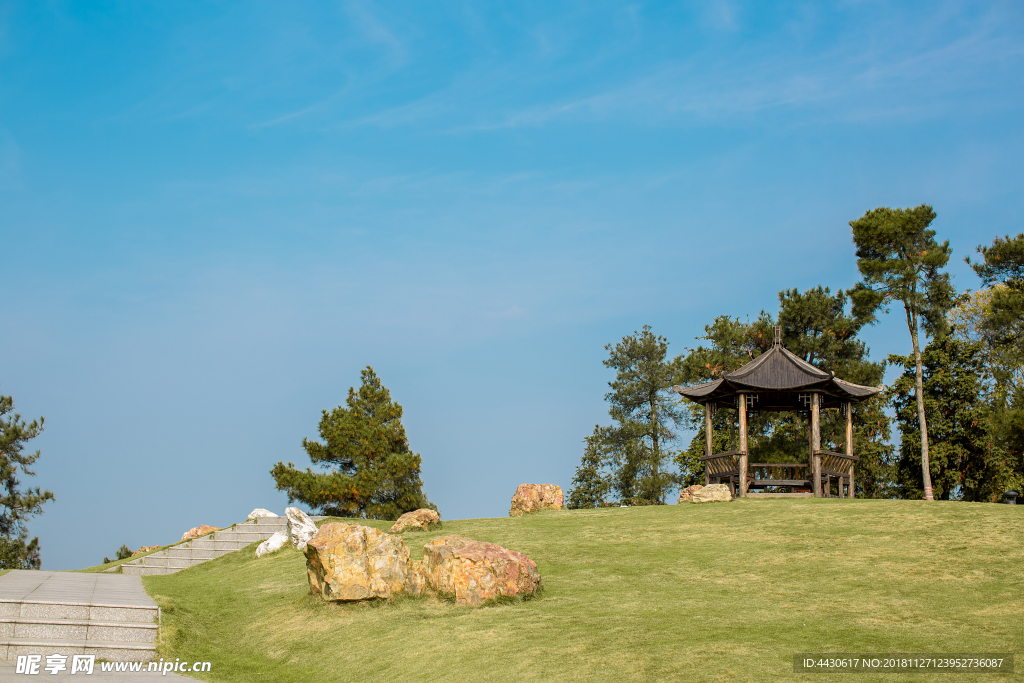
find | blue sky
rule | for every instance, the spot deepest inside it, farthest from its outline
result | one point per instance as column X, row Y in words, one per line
column 213, row 215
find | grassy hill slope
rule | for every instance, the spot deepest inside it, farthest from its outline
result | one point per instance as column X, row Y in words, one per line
column 692, row 592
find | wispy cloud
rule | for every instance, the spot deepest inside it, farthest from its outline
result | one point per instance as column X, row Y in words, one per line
column 895, row 80
column 376, row 30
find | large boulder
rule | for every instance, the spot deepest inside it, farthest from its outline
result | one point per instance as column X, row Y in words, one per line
column 712, row 493
column 355, row 562
column 275, row 542
column 475, row 572
column 417, row 520
column 300, row 527
column 687, row 493
column 198, row 531
column 260, row 512
column 533, row 497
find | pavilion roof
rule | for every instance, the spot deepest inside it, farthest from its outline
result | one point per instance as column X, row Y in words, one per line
column 778, row 376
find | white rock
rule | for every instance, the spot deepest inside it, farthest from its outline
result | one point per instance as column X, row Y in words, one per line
column 275, row 542
column 260, row 512
column 713, row 493
column 300, row 527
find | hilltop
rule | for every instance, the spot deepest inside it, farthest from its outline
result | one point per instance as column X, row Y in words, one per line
column 726, row 591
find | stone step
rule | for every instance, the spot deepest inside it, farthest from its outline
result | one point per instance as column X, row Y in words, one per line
column 265, row 521
column 78, row 629
column 211, row 544
column 179, row 562
column 195, row 553
column 69, row 613
column 29, row 609
column 110, row 650
column 146, row 570
column 247, row 537
column 214, row 545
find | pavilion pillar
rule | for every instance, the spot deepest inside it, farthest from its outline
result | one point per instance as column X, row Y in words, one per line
column 849, row 444
column 708, row 442
column 742, row 409
column 816, row 444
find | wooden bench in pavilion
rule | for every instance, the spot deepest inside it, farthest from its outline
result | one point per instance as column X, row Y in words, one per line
column 778, row 380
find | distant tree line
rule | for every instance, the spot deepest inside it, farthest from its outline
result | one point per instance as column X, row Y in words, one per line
column 957, row 406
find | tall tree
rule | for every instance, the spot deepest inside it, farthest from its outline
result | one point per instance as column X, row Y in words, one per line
column 629, row 456
column 900, row 260
column 645, row 413
column 18, row 506
column 372, row 472
column 966, row 463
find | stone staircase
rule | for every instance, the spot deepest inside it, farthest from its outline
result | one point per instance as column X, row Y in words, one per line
column 206, row 548
column 67, row 613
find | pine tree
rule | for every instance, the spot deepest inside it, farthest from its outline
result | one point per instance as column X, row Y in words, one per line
column 629, row 457
column 592, row 481
column 645, row 414
column 372, row 472
column 123, row 553
column 17, row 506
column 899, row 259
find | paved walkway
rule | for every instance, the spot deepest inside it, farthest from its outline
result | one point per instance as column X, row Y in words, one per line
column 113, row 590
column 72, row 588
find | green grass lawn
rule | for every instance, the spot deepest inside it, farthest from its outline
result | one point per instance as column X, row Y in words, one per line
column 716, row 592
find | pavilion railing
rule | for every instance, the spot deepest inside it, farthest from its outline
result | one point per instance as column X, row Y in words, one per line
column 778, row 474
column 721, row 465
column 725, row 468
column 838, row 466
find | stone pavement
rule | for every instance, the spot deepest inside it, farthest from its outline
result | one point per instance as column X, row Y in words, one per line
column 73, row 588
column 69, row 613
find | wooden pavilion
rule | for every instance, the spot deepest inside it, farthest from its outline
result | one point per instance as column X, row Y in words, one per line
column 777, row 380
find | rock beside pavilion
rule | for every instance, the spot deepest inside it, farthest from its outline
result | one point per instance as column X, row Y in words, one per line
column 353, row 562
column 475, row 572
column 533, row 497
column 417, row 520
column 197, row 531
column 687, row 494
column 712, row 493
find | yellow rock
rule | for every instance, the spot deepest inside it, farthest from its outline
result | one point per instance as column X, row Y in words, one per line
column 474, row 571
column 417, row 520
column 355, row 562
column 533, row 497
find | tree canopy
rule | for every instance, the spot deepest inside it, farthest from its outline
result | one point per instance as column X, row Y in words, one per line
column 629, row 456
column 17, row 506
column 1002, row 268
column 900, row 260
column 372, row 473
column 999, row 321
column 966, row 461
